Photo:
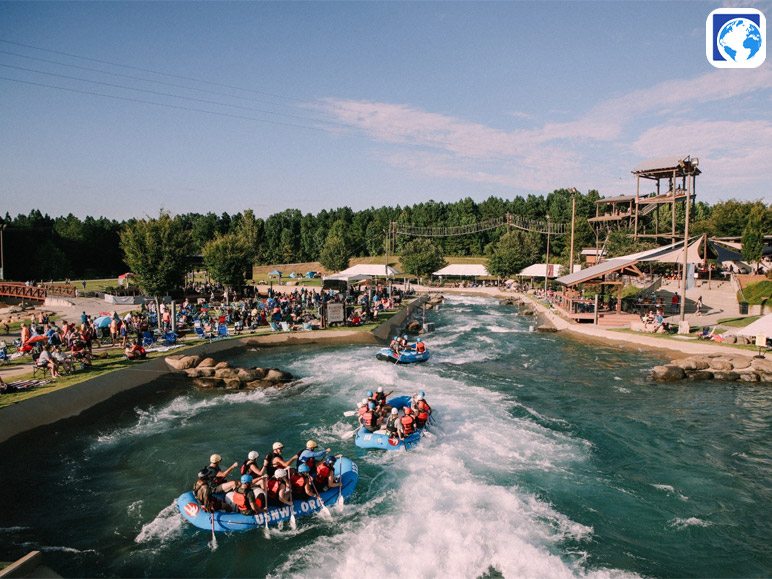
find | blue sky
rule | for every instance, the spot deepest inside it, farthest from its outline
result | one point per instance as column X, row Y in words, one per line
column 319, row 105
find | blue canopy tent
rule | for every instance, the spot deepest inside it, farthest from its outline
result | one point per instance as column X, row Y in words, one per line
column 310, row 274
column 102, row 322
column 275, row 273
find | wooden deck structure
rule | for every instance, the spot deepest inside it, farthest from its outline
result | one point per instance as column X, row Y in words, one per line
column 22, row 291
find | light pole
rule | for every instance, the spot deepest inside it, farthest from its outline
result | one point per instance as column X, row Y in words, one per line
column 573, row 221
column 2, row 254
column 691, row 167
column 547, row 265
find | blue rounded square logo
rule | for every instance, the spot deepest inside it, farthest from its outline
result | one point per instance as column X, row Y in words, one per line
column 736, row 38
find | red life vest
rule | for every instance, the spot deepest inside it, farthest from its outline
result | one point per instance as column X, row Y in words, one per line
column 408, row 425
column 322, row 474
column 245, row 466
column 298, row 486
column 420, row 348
column 423, row 413
column 241, row 502
column 369, row 419
column 380, row 398
column 272, row 488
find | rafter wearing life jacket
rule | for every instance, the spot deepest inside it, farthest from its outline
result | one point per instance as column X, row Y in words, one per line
column 423, row 411
column 408, row 422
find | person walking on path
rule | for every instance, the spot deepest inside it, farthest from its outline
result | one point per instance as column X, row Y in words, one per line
column 699, row 306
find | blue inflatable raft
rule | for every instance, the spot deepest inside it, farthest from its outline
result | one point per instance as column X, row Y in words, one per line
column 222, row 521
column 404, row 357
column 381, row 440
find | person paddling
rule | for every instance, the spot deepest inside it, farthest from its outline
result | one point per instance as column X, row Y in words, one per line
column 407, row 422
column 274, row 460
column 310, row 456
column 249, row 466
column 423, row 411
column 244, row 499
column 392, row 423
column 217, row 478
column 325, row 475
column 302, row 483
column 278, row 487
column 370, row 419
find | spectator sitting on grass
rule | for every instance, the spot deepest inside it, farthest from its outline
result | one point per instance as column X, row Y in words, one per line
column 135, row 351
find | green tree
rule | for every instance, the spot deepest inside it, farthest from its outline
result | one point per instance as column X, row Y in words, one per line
column 514, row 251
column 228, row 258
column 337, row 249
column 156, row 250
column 753, row 235
column 335, row 253
column 421, row 257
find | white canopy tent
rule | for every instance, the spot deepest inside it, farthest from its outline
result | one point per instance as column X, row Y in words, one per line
column 762, row 326
column 463, row 270
column 540, row 270
column 367, row 269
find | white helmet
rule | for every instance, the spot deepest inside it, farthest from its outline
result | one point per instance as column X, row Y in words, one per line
column 253, row 454
column 360, row 404
column 215, row 458
column 394, row 411
column 364, row 401
column 278, row 446
column 280, row 473
column 311, row 444
column 380, row 388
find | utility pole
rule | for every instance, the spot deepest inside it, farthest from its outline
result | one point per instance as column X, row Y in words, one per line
column 689, row 183
column 547, row 265
column 2, row 255
column 573, row 220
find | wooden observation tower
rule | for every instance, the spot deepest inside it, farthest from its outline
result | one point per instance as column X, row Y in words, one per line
column 666, row 181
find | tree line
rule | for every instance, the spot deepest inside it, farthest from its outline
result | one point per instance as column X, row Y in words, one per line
column 40, row 247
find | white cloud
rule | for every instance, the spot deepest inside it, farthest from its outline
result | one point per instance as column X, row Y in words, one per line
column 542, row 158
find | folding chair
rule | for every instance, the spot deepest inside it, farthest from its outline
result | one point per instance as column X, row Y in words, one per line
column 148, row 339
column 42, row 370
column 222, row 331
column 170, row 338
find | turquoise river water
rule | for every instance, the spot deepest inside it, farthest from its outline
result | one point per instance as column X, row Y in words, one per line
column 550, row 458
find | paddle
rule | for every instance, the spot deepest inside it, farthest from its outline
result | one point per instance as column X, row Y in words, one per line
column 340, row 502
column 324, row 511
column 350, row 434
column 350, row 413
column 213, row 545
column 293, row 522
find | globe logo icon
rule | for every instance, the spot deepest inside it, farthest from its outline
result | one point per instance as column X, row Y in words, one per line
column 739, row 40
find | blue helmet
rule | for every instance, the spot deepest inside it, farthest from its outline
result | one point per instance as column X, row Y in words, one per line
column 371, row 405
column 404, row 336
column 303, row 468
column 419, row 340
column 330, row 460
column 246, row 479
column 422, row 393
column 369, row 393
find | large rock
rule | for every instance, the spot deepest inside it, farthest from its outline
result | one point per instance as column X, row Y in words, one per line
column 226, row 374
column 259, row 372
column 221, row 365
column 247, row 374
column 668, row 373
column 765, row 377
column 700, row 375
column 727, row 376
column 413, row 327
column 763, row 365
column 206, row 372
column 207, row 363
column 207, row 383
column 749, row 377
column 193, row 372
column 740, row 362
column 257, row 384
column 182, row 362
column 691, row 363
column 721, row 364
column 232, row 384
column 276, row 375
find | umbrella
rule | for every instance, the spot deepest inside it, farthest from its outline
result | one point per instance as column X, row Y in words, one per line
column 36, row 339
column 102, row 322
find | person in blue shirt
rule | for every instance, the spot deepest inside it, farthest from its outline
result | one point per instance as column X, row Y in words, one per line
column 310, row 456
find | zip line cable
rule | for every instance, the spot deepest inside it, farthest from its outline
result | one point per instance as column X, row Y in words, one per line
column 164, row 94
column 139, row 78
column 167, row 105
column 148, row 70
